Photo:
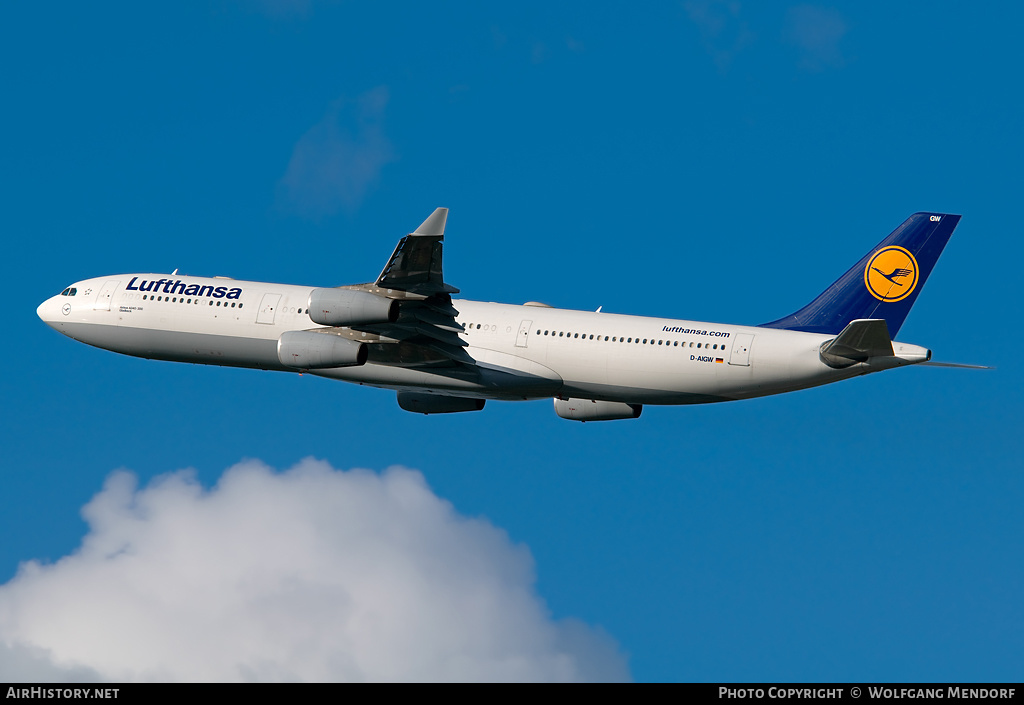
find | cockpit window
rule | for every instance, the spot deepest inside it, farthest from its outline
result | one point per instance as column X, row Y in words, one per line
column 66, row 291
column 73, row 291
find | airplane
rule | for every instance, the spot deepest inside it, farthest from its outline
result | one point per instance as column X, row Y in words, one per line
column 404, row 332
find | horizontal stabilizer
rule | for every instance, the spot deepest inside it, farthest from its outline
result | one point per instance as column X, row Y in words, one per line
column 957, row 364
column 858, row 341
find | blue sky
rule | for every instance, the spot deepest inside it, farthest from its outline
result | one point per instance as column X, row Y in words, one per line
column 720, row 161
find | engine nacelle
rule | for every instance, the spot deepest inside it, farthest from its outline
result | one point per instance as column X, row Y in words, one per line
column 346, row 307
column 314, row 351
column 424, row 403
column 590, row 410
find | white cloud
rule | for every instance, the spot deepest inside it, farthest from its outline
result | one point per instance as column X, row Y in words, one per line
column 27, row 664
column 817, row 32
column 340, row 158
column 310, row 574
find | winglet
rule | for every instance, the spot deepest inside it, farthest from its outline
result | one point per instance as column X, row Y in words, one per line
column 415, row 265
column 433, row 225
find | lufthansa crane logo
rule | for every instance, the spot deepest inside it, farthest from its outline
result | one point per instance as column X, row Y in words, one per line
column 891, row 274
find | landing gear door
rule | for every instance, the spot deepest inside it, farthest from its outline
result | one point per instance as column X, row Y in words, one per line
column 741, row 349
column 103, row 298
column 524, row 334
column 268, row 308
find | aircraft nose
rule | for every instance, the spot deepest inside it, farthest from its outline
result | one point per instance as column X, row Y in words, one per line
column 47, row 311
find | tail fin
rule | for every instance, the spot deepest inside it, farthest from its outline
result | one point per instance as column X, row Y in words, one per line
column 884, row 284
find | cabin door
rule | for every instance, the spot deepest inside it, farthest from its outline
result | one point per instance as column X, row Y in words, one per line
column 268, row 308
column 524, row 334
column 741, row 349
column 103, row 298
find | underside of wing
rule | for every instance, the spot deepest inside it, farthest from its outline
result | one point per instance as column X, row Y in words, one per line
column 425, row 332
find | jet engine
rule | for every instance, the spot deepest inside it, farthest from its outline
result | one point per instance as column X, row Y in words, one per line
column 346, row 307
column 313, row 351
column 424, row 403
column 590, row 410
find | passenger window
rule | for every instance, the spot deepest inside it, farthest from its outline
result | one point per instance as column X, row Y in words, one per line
column 478, row 326
column 239, row 305
column 576, row 336
column 698, row 346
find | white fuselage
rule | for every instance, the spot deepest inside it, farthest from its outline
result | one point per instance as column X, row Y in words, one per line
column 520, row 352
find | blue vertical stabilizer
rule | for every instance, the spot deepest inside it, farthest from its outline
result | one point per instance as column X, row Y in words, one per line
column 884, row 284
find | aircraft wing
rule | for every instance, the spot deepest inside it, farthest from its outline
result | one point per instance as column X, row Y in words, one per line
column 415, row 266
column 426, row 330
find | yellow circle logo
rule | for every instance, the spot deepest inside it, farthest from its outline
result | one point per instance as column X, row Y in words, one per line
column 891, row 274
